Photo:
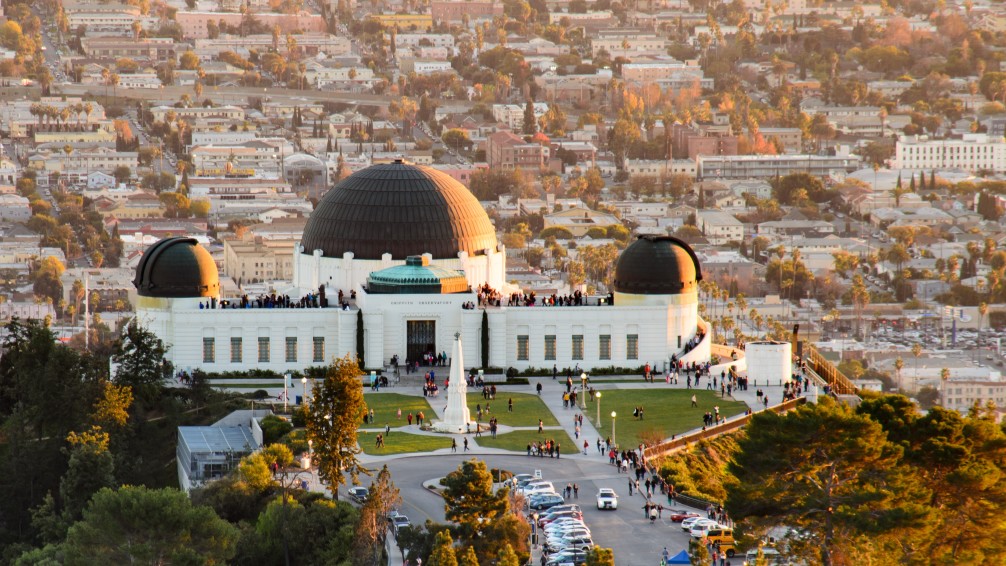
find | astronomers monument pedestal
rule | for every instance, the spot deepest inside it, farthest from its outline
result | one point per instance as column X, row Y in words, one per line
column 457, row 418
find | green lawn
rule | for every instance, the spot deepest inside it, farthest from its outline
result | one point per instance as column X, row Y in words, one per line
column 527, row 409
column 402, row 443
column 386, row 405
column 519, row 439
column 666, row 412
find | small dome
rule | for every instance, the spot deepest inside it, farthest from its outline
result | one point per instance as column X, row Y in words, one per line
column 400, row 209
column 417, row 276
column 176, row 268
column 657, row 265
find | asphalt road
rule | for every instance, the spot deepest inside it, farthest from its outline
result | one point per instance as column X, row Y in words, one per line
column 634, row 540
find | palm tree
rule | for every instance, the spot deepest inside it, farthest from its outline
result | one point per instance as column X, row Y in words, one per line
column 983, row 309
column 916, row 351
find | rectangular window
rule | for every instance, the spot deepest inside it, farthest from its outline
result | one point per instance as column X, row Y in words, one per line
column 291, row 348
column 263, row 349
column 208, row 350
column 578, row 346
column 319, row 349
column 550, row 347
column 236, row 350
column 632, row 346
column 522, row 348
column 605, row 347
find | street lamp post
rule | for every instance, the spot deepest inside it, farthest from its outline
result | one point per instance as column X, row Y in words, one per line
column 597, row 399
column 583, row 390
column 286, row 391
column 303, row 381
column 613, row 441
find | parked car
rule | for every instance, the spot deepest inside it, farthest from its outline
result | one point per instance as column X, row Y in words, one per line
column 678, row 515
column 359, row 494
column 545, row 501
column 699, row 525
column 398, row 522
column 606, row 498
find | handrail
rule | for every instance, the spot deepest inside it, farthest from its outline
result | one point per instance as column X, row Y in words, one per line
column 836, row 380
column 670, row 446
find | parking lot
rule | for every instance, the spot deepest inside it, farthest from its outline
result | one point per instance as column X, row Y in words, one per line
column 627, row 531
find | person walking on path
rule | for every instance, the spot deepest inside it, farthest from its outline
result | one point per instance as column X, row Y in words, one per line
column 466, row 444
column 695, row 402
column 541, row 426
column 576, row 491
column 454, row 445
column 509, row 405
column 630, row 487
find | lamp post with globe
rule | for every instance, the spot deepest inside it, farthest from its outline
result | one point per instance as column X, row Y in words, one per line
column 303, row 381
column 583, row 390
column 614, row 442
column 597, row 399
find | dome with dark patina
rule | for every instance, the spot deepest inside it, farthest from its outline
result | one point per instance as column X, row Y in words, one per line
column 177, row 268
column 401, row 209
column 657, row 265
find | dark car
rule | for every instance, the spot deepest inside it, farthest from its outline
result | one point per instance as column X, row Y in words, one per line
column 546, row 501
column 359, row 494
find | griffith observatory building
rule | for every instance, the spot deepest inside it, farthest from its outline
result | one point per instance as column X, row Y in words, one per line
column 397, row 259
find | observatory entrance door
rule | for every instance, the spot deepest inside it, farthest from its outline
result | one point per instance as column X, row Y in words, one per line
column 421, row 338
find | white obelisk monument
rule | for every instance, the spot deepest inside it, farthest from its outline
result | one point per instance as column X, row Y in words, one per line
column 457, row 417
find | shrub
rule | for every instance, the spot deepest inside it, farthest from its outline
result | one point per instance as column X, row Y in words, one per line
column 274, row 428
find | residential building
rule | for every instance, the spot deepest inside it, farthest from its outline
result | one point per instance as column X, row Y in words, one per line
column 14, row 208
column 961, row 394
column 771, row 166
column 412, row 22
column 256, row 259
column 579, row 221
column 454, row 11
column 146, row 49
column 719, row 227
column 505, row 150
column 193, row 23
column 972, row 153
column 628, row 44
column 513, row 114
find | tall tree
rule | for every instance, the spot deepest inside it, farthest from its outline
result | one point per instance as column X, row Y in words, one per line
column 470, row 500
column 530, row 121
column 151, row 526
column 336, row 410
column 443, row 551
column 140, row 360
column 372, row 530
column 828, row 472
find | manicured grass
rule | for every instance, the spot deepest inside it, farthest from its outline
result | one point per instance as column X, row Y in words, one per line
column 402, row 443
column 527, row 409
column 666, row 412
column 386, row 405
column 518, row 440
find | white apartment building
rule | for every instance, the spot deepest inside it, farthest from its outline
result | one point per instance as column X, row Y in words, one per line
column 972, row 153
column 962, row 395
column 408, row 40
column 513, row 114
column 719, row 227
column 626, row 45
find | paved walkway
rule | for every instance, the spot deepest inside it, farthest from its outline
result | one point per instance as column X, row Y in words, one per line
column 551, row 396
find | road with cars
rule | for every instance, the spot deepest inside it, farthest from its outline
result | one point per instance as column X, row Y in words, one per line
column 627, row 531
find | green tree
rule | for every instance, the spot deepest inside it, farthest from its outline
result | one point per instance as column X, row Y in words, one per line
column 153, row 526
column 530, row 121
column 601, row 557
column 469, row 498
column 336, row 410
column 469, row 558
column 443, row 551
column 140, row 362
column 507, row 557
column 829, row 472
column 188, row 61
column 311, row 530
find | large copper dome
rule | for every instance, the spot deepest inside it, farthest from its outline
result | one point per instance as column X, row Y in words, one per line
column 177, row 267
column 400, row 209
column 657, row 265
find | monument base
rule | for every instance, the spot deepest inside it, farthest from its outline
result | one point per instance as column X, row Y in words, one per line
column 454, row 428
